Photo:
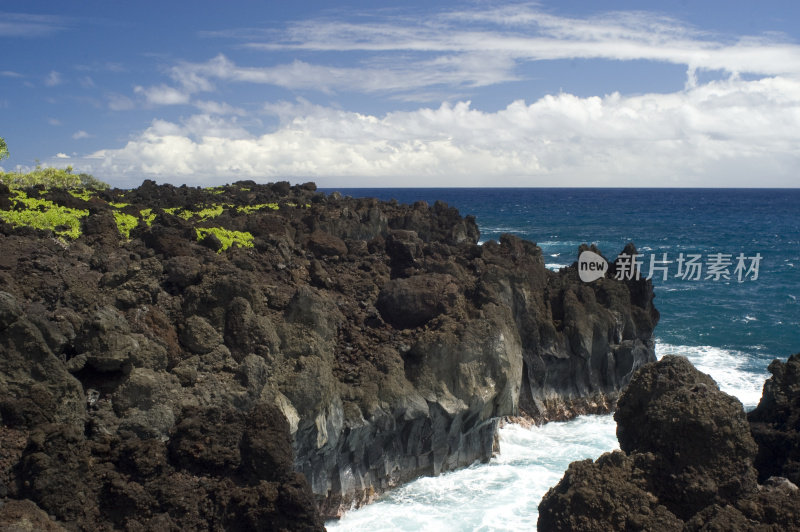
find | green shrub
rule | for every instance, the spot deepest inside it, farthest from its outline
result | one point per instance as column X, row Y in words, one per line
column 52, row 178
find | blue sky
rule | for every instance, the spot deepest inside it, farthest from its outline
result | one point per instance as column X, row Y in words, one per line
column 669, row 93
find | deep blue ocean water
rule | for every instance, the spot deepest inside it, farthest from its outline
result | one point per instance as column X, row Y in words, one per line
column 727, row 328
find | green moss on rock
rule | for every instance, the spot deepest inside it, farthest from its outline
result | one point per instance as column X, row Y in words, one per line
column 226, row 237
column 43, row 214
column 125, row 223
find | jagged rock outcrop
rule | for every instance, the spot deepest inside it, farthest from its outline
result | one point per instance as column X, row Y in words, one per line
column 775, row 422
column 360, row 343
column 687, row 462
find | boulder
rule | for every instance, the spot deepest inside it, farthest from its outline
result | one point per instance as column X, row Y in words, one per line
column 414, row 301
column 686, row 463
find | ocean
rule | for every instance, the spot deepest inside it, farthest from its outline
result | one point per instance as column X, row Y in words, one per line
column 729, row 303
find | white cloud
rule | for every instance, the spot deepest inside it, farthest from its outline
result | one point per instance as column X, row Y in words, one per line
column 218, row 108
column 53, row 79
column 444, row 55
column 526, row 33
column 738, row 131
column 10, row 74
column 163, row 95
column 723, row 133
column 62, row 156
column 475, row 70
column 80, row 134
column 119, row 102
column 54, row 121
column 27, row 25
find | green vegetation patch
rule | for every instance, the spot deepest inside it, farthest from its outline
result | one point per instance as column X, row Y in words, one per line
column 247, row 209
column 81, row 193
column 118, row 205
column 202, row 214
column 125, row 223
column 147, row 216
column 52, row 178
column 227, row 237
column 43, row 214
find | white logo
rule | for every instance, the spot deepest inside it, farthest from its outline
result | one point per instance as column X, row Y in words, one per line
column 591, row 266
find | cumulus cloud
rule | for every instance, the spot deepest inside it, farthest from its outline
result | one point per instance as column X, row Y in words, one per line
column 739, row 130
column 80, row 134
column 62, row 156
column 723, row 133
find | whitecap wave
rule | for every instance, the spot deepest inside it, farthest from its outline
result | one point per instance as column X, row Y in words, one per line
column 501, row 495
column 731, row 369
column 505, row 493
column 554, row 266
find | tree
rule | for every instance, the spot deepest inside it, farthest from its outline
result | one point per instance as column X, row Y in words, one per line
column 3, row 149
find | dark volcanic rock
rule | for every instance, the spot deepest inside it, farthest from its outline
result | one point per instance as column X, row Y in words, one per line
column 414, row 301
column 222, row 470
column 775, row 422
column 165, row 383
column 698, row 434
column 687, row 463
column 326, row 244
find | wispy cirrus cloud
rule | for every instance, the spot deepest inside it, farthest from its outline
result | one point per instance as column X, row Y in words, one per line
column 526, row 33
column 444, row 55
column 379, row 76
column 119, row 102
column 30, row 25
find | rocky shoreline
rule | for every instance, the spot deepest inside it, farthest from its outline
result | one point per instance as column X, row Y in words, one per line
column 690, row 458
column 266, row 356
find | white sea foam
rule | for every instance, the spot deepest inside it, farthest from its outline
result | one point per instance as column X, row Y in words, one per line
column 729, row 368
column 501, row 495
column 554, row 266
column 561, row 243
column 505, row 493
